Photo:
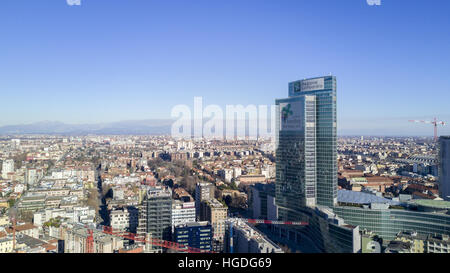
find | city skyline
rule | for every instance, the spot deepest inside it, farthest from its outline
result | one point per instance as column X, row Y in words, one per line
column 224, row 127
column 159, row 55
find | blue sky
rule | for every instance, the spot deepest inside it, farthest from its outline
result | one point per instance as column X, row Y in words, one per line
column 113, row 60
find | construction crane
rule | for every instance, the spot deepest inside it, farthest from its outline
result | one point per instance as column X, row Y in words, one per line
column 137, row 238
column 168, row 244
column 434, row 122
column 90, row 241
column 269, row 222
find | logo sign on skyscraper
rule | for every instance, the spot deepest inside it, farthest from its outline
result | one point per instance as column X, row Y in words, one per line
column 286, row 112
column 291, row 118
column 309, row 85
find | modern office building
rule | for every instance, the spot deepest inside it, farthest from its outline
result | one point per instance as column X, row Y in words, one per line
column 388, row 222
column 194, row 234
column 306, row 166
column 306, row 153
column 306, row 180
column 203, row 191
column 387, row 218
column 155, row 216
column 444, row 167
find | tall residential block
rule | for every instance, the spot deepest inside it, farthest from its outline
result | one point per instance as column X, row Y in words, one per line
column 203, row 192
column 7, row 167
column 155, row 216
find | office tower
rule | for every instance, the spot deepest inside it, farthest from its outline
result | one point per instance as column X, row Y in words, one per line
column 216, row 213
column 306, row 154
column 194, row 234
column 156, row 215
column 203, row 191
column 306, row 167
column 7, row 167
column 306, row 178
column 444, row 167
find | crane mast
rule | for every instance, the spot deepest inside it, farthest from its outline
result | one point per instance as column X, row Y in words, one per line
column 435, row 124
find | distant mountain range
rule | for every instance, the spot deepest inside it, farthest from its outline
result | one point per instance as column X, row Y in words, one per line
column 163, row 127
column 132, row 127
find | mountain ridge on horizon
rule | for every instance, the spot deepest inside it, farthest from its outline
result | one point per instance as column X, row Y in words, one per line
column 135, row 127
column 148, row 126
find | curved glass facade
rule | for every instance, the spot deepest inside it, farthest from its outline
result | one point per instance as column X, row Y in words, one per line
column 389, row 222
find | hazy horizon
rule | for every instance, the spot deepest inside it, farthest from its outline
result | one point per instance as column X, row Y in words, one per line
column 164, row 125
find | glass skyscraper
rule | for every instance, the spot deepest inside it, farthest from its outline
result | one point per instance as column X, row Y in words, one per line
column 306, row 160
column 306, row 153
column 306, row 177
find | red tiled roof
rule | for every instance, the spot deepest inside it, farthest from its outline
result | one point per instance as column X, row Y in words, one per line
column 26, row 226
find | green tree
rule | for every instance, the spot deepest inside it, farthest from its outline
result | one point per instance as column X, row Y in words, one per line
column 11, row 202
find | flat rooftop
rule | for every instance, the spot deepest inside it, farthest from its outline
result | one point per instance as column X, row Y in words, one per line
column 354, row 197
column 440, row 204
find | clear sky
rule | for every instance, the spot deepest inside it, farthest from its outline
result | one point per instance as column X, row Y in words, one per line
column 113, row 60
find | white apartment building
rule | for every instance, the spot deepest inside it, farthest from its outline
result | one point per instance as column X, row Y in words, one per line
column 124, row 219
column 7, row 167
column 226, row 174
column 76, row 215
column 237, row 171
column 183, row 212
column 6, row 244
